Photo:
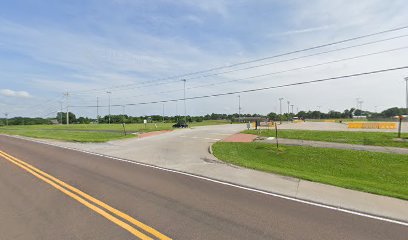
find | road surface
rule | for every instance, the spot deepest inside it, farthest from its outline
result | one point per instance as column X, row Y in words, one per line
column 54, row 193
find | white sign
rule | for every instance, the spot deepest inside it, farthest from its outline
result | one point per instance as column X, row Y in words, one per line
column 145, row 121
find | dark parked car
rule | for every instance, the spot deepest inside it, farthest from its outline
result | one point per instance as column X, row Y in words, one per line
column 180, row 124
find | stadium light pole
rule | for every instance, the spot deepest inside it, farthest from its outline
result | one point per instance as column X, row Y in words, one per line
column 185, row 108
column 60, row 112
column 239, row 108
column 406, row 92
column 6, row 114
column 97, row 110
column 280, row 109
column 109, row 116
column 67, row 99
column 163, row 112
column 288, row 110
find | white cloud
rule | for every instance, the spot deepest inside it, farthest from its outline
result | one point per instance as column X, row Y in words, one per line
column 12, row 93
column 304, row 30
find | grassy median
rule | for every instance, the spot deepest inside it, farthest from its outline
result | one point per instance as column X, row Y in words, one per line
column 379, row 173
column 363, row 138
column 92, row 132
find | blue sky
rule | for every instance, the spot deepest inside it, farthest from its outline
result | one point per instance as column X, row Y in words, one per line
column 50, row 47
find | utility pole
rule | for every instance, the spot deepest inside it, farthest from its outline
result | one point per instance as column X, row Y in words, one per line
column 280, row 109
column 163, row 112
column 358, row 102
column 109, row 117
column 6, row 114
column 97, row 110
column 61, row 112
column 292, row 108
column 185, row 108
column 318, row 107
column 67, row 99
column 288, row 110
column 406, row 92
column 239, row 108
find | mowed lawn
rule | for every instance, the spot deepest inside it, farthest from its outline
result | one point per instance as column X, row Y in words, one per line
column 92, row 132
column 363, row 138
column 379, row 173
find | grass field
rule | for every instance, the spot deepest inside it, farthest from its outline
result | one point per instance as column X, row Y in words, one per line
column 364, row 138
column 92, row 132
column 379, row 173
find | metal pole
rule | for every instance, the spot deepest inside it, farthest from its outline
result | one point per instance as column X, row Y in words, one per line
column 292, row 108
column 239, row 108
column 406, row 92
column 61, row 112
column 109, row 108
column 163, row 112
column 67, row 99
column 280, row 109
column 185, row 108
column 97, row 110
column 6, row 114
column 288, row 110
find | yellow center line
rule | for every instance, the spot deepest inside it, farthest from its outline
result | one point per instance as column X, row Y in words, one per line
column 54, row 182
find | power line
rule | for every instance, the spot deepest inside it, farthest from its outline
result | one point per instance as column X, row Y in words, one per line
column 278, row 72
column 252, row 61
column 265, row 88
column 304, row 56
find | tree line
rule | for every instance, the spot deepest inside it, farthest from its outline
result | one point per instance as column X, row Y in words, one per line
column 61, row 117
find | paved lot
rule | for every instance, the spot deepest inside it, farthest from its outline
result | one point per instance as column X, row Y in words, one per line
column 327, row 126
column 297, row 142
column 179, row 206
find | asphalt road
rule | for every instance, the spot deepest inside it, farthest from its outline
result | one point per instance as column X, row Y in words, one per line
column 178, row 206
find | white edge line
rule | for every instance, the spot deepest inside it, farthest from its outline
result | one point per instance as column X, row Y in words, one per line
column 340, row 209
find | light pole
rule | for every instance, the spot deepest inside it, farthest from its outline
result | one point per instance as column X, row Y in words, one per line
column 6, row 114
column 67, row 99
column 163, row 112
column 292, row 108
column 60, row 112
column 318, row 109
column 406, row 92
column 185, row 108
column 239, row 108
column 280, row 109
column 109, row 116
column 97, row 110
column 288, row 110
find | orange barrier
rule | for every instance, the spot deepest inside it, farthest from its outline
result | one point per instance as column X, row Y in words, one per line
column 373, row 125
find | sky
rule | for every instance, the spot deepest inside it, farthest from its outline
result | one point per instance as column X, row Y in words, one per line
column 140, row 51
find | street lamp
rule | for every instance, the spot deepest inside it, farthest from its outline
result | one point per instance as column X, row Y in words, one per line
column 239, row 108
column 185, row 108
column 6, row 114
column 109, row 108
column 280, row 109
column 406, row 92
column 288, row 110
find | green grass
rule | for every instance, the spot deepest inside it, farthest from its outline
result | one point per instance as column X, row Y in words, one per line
column 91, row 132
column 364, row 138
column 379, row 173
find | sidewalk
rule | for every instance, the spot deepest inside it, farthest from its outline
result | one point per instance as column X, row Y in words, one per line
column 297, row 142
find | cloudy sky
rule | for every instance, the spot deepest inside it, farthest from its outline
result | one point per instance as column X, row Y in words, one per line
column 138, row 50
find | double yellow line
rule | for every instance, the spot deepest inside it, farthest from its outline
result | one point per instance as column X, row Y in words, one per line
column 92, row 203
